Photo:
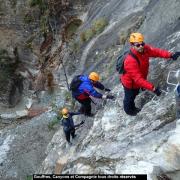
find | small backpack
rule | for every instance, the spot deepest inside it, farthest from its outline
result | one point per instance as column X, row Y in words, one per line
column 120, row 61
column 75, row 83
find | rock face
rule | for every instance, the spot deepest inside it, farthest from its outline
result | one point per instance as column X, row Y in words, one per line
column 23, row 143
column 23, row 146
column 14, row 34
column 27, row 30
column 115, row 142
column 111, row 142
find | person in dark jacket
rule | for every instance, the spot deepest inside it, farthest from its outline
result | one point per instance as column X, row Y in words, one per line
column 68, row 124
column 86, row 89
column 135, row 75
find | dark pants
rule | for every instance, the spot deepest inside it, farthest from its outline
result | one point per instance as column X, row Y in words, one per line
column 128, row 102
column 85, row 106
column 68, row 133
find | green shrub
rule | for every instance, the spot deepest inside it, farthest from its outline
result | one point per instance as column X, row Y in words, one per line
column 54, row 107
column 72, row 28
column 96, row 28
column 89, row 34
column 83, row 37
column 53, row 123
column 43, row 24
column 40, row 3
column 123, row 37
column 29, row 177
column 99, row 25
column 75, row 46
column 73, row 103
column 35, row 2
column 67, row 96
column 29, row 43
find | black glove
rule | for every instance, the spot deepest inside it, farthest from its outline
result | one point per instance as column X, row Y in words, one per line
column 157, row 91
column 110, row 97
column 175, row 55
column 82, row 122
column 107, row 90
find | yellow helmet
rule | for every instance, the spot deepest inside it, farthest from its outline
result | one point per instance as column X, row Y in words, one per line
column 94, row 76
column 65, row 113
column 136, row 38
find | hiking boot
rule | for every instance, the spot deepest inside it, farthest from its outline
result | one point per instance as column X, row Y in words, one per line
column 137, row 109
column 74, row 136
column 132, row 113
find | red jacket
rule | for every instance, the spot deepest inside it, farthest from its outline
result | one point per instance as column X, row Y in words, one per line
column 135, row 75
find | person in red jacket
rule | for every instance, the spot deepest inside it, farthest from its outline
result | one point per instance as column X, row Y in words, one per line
column 135, row 72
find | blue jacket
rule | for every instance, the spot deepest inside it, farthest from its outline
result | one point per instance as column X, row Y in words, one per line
column 68, row 123
column 86, row 89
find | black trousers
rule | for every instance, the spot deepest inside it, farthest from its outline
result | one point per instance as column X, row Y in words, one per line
column 85, row 106
column 129, row 97
column 69, row 133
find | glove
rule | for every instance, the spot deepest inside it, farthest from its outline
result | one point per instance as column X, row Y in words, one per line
column 175, row 55
column 157, row 91
column 110, row 97
column 107, row 90
column 107, row 96
column 104, row 96
column 82, row 122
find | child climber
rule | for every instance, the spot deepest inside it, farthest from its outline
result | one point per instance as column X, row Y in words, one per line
column 68, row 124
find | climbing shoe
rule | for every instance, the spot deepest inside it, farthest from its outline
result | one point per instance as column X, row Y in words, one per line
column 137, row 109
column 132, row 113
column 74, row 136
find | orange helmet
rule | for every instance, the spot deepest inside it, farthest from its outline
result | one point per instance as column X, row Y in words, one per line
column 136, row 38
column 65, row 113
column 94, row 76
